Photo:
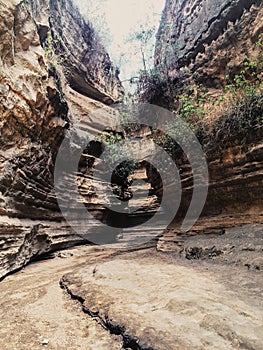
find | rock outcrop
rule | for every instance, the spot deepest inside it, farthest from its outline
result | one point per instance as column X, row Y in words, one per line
column 48, row 53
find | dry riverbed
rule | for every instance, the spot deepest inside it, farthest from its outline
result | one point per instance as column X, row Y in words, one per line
column 150, row 300
column 37, row 314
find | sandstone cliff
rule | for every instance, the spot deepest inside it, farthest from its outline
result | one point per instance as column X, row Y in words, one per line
column 49, row 55
column 207, row 44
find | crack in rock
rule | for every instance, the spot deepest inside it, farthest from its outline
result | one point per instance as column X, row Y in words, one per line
column 130, row 341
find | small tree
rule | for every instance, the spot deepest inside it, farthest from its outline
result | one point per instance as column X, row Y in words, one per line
column 143, row 41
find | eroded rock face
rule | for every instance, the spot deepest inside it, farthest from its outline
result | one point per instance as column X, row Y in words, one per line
column 235, row 175
column 36, row 39
column 211, row 38
column 79, row 47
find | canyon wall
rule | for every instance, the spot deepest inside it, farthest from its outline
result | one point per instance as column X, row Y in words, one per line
column 207, row 41
column 48, row 56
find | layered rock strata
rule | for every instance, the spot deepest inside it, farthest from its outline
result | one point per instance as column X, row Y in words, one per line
column 209, row 40
column 47, row 50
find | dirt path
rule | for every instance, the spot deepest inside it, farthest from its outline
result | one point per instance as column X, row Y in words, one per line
column 37, row 314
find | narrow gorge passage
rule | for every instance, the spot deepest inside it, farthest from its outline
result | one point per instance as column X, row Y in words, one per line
column 37, row 314
column 66, row 113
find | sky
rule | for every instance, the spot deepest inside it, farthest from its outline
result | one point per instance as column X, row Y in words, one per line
column 121, row 18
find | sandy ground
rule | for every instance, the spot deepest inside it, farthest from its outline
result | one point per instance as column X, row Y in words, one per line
column 155, row 300
column 37, row 314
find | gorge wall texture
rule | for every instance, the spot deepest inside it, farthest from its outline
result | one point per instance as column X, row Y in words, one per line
column 48, row 55
column 209, row 40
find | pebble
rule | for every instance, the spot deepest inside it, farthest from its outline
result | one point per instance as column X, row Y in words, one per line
column 45, row 342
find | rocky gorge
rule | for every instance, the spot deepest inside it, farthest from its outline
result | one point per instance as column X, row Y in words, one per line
column 200, row 289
